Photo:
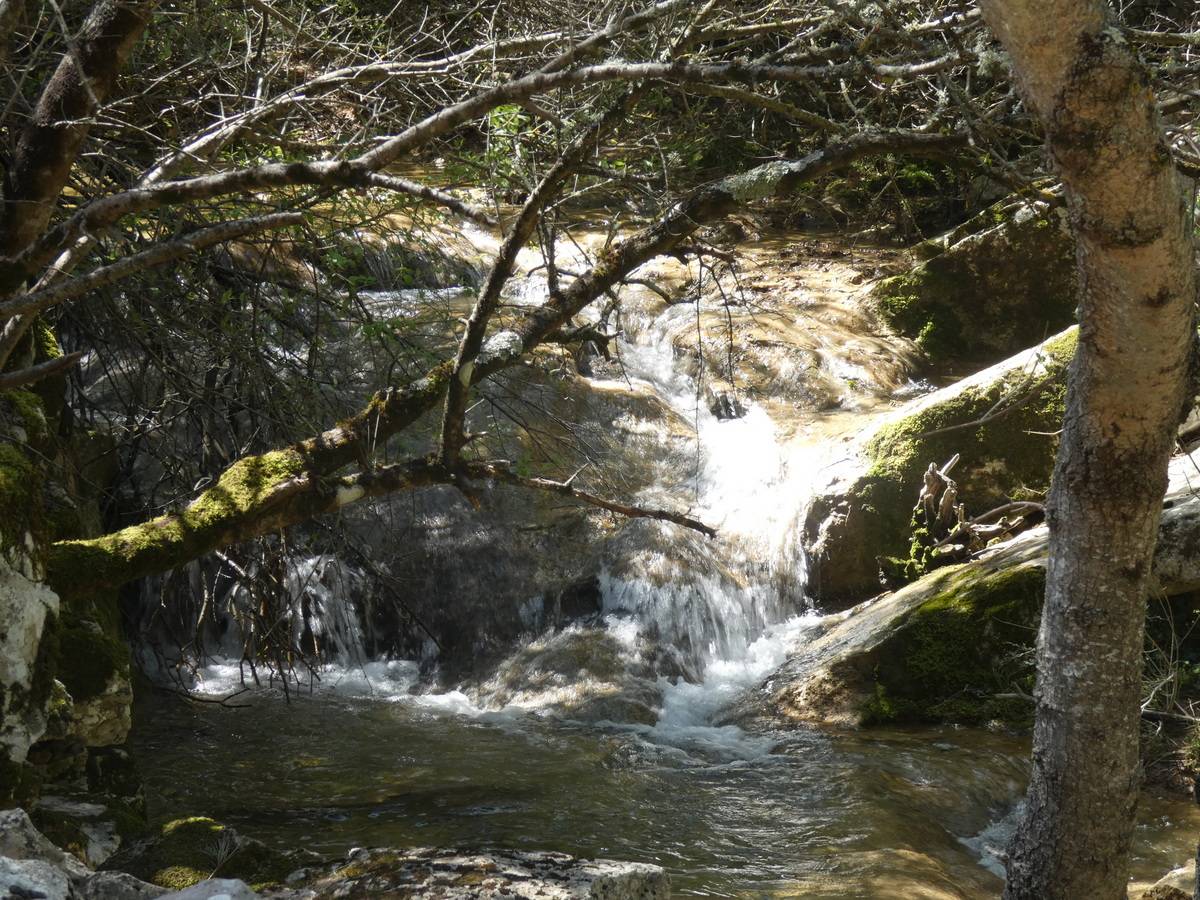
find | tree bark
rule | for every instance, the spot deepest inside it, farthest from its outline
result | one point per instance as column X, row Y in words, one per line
column 1127, row 392
column 50, row 142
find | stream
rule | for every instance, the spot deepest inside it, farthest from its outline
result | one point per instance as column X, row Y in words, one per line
column 369, row 757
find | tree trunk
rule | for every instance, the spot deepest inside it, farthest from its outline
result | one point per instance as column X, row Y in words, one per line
column 1127, row 392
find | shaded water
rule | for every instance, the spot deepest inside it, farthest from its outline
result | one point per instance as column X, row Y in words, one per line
column 802, row 813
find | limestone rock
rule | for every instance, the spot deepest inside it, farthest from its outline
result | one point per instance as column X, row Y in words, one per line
column 996, row 284
column 447, row 874
column 21, row 878
column 104, row 720
column 116, row 886
column 215, row 889
column 88, row 830
column 25, row 609
column 864, row 513
column 20, row 840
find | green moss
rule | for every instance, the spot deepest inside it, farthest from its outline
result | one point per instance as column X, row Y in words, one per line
column 153, row 546
column 90, row 656
column 954, row 654
column 985, row 292
column 910, row 304
column 1009, row 456
column 45, row 341
column 190, row 850
column 20, row 496
column 31, row 413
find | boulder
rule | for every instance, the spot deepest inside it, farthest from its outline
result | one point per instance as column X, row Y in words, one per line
column 116, row 886
column 32, row 866
column 955, row 646
column 27, row 607
column 582, row 673
column 1003, row 422
column 1178, row 884
column 215, row 889
column 447, row 874
column 21, row 841
column 33, row 878
column 1000, row 282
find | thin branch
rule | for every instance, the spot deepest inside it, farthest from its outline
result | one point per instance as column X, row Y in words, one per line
column 34, row 374
column 499, row 471
column 158, row 255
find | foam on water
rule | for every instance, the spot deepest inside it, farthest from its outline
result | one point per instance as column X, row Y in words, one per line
column 730, row 608
column 688, row 709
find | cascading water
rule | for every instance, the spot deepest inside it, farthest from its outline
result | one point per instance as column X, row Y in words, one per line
column 632, row 765
column 693, row 620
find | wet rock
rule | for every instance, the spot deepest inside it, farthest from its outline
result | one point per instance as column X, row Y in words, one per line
column 578, row 600
column 724, row 403
column 582, row 673
column 943, row 649
column 999, row 283
column 448, row 874
column 1178, row 884
column 1003, row 421
column 956, row 645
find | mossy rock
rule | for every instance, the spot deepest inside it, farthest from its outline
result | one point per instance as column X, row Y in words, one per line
column 998, row 284
column 962, row 656
column 187, row 851
column 20, row 502
column 90, row 655
column 954, row 647
column 1010, row 456
column 89, row 826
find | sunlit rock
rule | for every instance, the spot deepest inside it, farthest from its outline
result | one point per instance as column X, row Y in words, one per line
column 1002, row 421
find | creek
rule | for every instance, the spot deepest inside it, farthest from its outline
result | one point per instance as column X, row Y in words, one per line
column 371, row 756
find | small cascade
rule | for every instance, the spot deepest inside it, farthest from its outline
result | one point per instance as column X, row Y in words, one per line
column 681, row 622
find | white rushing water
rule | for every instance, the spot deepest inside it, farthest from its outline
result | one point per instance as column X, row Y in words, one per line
column 728, row 609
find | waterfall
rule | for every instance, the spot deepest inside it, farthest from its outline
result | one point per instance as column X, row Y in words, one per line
column 680, row 622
